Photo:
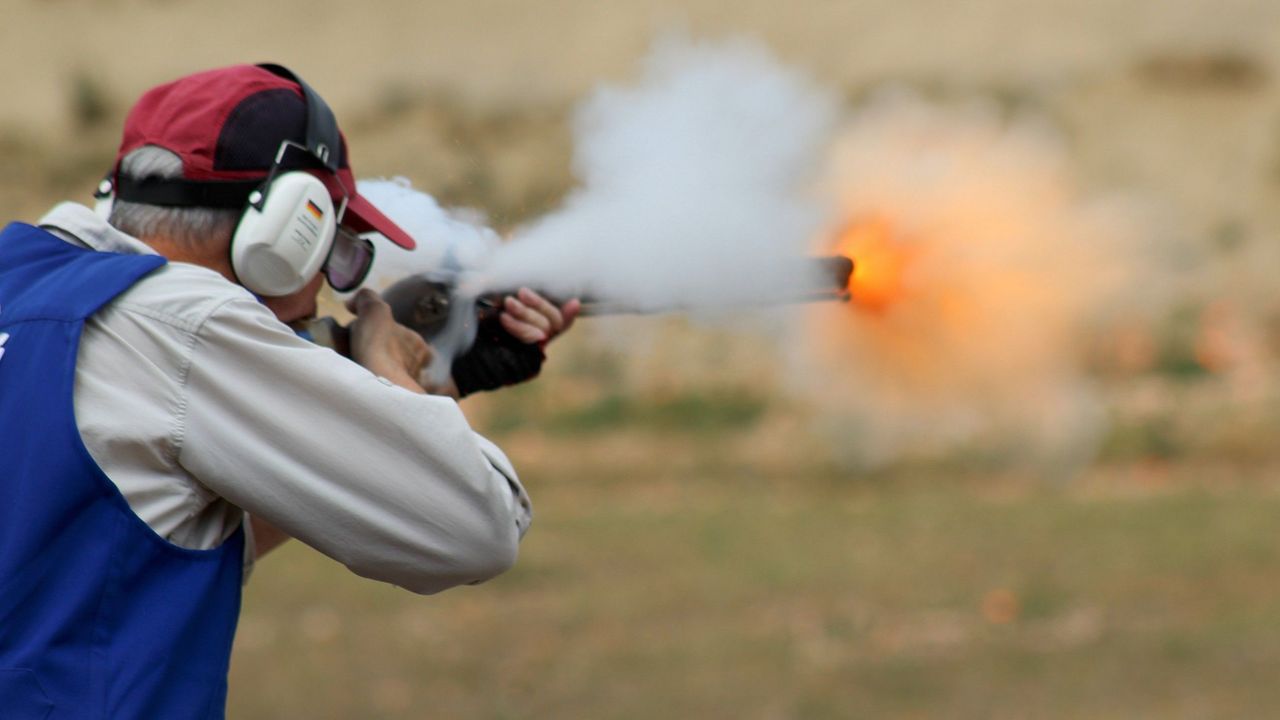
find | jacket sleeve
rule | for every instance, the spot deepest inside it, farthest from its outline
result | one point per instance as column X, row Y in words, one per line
column 393, row 484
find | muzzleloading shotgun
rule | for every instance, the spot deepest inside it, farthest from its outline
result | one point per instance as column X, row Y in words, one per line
column 426, row 302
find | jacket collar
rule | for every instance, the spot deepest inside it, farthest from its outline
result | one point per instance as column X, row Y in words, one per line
column 78, row 224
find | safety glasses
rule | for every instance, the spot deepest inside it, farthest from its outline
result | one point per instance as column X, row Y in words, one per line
column 349, row 260
column 350, row 256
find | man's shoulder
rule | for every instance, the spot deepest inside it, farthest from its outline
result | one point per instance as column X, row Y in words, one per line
column 180, row 294
column 183, row 295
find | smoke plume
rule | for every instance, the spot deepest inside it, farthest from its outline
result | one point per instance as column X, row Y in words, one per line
column 448, row 240
column 692, row 185
column 982, row 271
column 694, row 192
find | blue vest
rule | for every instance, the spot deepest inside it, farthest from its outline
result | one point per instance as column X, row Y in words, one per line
column 99, row 616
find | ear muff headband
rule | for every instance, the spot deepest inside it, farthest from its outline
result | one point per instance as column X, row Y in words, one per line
column 288, row 227
column 323, row 139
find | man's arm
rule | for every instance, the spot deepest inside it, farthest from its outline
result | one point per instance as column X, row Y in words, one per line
column 399, row 354
column 390, row 482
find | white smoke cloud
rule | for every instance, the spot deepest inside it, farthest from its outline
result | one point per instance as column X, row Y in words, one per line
column 698, row 189
column 447, row 239
column 692, row 189
column 694, row 192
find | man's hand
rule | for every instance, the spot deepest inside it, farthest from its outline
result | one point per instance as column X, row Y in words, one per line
column 384, row 346
column 531, row 318
column 509, row 350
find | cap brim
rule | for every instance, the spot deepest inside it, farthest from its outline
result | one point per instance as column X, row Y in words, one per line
column 362, row 216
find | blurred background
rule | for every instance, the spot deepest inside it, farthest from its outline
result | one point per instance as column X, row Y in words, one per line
column 709, row 540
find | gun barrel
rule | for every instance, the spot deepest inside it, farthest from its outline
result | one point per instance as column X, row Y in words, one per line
column 424, row 303
column 593, row 308
column 837, row 269
column 832, row 272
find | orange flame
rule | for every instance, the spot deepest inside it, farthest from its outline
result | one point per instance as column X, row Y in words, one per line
column 879, row 263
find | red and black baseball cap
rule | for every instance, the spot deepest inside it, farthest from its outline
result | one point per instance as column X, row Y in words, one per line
column 228, row 125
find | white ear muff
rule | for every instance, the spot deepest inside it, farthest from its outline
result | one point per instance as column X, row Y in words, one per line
column 284, row 237
column 104, row 197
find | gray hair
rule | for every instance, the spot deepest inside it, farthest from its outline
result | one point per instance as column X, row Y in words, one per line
column 190, row 226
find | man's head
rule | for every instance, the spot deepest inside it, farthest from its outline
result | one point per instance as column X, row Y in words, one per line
column 250, row 153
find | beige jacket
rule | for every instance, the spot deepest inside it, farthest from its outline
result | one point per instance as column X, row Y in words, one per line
column 200, row 406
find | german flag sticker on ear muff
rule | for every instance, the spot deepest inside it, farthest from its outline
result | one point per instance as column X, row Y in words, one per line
column 315, row 210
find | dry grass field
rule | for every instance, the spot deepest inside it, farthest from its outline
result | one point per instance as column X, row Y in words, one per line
column 699, row 549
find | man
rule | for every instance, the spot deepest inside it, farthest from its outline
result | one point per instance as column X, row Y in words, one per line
column 149, row 409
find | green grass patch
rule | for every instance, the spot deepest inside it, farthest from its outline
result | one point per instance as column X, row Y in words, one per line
column 695, row 412
column 698, row 413
column 794, row 597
